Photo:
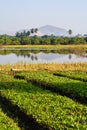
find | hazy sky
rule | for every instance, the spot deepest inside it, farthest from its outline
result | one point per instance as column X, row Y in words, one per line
column 25, row 14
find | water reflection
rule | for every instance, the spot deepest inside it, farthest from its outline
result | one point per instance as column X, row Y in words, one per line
column 70, row 56
column 35, row 56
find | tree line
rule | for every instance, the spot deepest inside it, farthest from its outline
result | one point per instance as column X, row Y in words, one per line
column 30, row 38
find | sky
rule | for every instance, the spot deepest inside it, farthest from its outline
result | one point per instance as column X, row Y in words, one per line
column 25, row 14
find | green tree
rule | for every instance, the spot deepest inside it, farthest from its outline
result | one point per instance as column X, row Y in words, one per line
column 15, row 41
column 36, row 30
column 25, row 40
column 17, row 34
column 70, row 32
column 47, row 41
column 35, row 40
column 32, row 30
column 54, row 40
column 28, row 33
column 1, row 41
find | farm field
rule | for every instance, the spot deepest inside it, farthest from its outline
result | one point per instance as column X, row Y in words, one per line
column 47, row 101
column 63, row 85
column 7, row 123
column 78, row 75
column 43, row 65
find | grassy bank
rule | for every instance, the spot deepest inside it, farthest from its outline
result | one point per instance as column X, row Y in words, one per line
column 49, row 67
column 62, row 49
column 84, row 46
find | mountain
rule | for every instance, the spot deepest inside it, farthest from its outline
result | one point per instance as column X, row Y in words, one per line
column 44, row 30
column 49, row 30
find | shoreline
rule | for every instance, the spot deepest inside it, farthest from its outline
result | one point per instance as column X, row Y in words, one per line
column 47, row 67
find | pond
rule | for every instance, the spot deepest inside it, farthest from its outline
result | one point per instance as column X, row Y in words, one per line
column 38, row 56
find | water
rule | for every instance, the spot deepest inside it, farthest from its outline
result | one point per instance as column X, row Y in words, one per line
column 35, row 57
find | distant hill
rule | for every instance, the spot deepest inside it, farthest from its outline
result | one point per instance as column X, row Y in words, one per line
column 44, row 30
column 49, row 30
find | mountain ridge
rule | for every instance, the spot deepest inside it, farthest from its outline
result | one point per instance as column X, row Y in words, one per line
column 52, row 30
column 43, row 30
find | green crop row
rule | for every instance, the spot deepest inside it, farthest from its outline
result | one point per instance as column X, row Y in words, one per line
column 7, row 123
column 72, row 88
column 51, row 109
column 78, row 75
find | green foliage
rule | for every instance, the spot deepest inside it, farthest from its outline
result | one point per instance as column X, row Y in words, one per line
column 78, row 75
column 46, row 41
column 25, row 37
column 25, row 40
column 58, row 112
column 6, row 123
column 73, row 88
column 35, row 40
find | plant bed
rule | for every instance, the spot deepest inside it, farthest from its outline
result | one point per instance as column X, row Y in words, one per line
column 77, row 75
column 74, row 89
column 7, row 123
column 51, row 109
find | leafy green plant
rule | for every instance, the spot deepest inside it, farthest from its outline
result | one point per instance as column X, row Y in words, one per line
column 47, row 108
column 78, row 75
column 7, row 123
column 65, row 86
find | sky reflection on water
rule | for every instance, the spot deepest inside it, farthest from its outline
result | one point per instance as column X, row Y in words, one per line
column 41, row 57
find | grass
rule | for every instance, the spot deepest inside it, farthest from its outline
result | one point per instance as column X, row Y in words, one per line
column 49, row 67
column 47, row 46
column 77, row 49
column 52, row 110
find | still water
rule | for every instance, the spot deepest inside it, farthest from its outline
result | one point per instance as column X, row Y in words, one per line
column 32, row 57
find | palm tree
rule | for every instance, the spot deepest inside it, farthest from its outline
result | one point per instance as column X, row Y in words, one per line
column 32, row 30
column 28, row 33
column 69, row 32
column 36, row 30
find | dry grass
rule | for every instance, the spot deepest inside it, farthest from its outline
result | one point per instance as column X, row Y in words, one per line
column 48, row 67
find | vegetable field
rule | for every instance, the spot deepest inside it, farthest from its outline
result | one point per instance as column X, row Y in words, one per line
column 43, row 100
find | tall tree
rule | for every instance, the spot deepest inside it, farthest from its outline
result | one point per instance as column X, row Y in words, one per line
column 32, row 30
column 17, row 34
column 70, row 32
column 24, row 33
column 5, row 39
column 36, row 30
column 28, row 33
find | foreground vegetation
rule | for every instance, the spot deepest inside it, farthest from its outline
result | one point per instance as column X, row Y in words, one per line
column 49, row 109
column 78, row 75
column 72, row 88
column 7, row 123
